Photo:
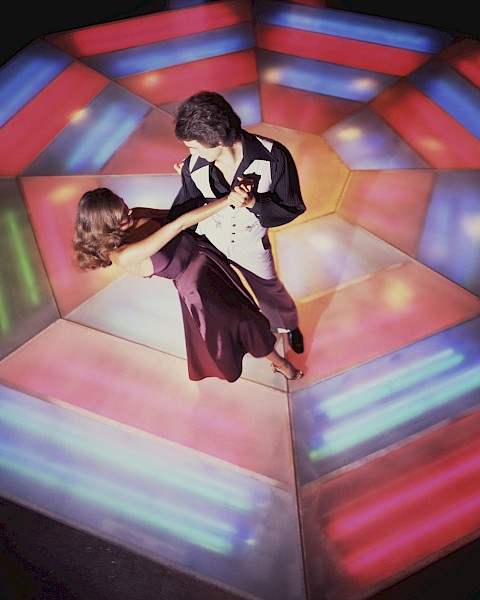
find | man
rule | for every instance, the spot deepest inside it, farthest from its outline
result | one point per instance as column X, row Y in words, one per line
column 221, row 155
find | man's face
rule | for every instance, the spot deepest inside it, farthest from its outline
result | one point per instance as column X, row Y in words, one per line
column 209, row 154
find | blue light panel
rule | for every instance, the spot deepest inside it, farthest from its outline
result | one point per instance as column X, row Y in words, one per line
column 160, row 55
column 365, row 28
column 90, row 140
column 321, row 77
column 450, row 90
column 23, row 77
column 365, row 141
column 375, row 405
column 450, row 241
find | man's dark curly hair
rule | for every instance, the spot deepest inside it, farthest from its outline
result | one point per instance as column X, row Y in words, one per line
column 207, row 118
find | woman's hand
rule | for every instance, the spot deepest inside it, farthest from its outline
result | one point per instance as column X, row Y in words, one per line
column 178, row 167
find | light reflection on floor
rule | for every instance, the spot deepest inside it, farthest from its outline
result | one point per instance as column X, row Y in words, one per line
column 271, row 489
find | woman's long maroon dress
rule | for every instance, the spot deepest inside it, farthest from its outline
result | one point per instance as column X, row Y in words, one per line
column 221, row 320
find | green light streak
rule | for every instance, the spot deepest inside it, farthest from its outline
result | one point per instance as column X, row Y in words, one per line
column 5, row 321
column 384, row 418
column 232, row 496
column 26, row 269
column 394, row 381
column 124, row 503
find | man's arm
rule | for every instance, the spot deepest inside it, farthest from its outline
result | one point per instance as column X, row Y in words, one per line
column 188, row 197
column 283, row 202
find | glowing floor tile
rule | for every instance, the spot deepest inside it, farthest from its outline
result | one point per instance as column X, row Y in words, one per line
column 352, row 26
column 146, row 311
column 88, row 143
column 181, row 81
column 374, row 525
column 153, row 498
column 345, row 418
column 319, row 112
column 150, row 391
column 369, row 318
column 431, row 131
column 28, row 132
column 333, row 253
column 168, row 53
column 27, row 74
column 151, row 148
column 364, row 141
column 390, row 204
column 450, row 90
column 450, row 240
column 321, row 77
column 27, row 304
column 322, row 175
column 464, row 57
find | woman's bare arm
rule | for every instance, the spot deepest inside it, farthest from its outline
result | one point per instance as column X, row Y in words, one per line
column 132, row 257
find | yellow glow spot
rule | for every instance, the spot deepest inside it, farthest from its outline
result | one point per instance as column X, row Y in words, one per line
column 471, row 226
column 272, row 75
column 79, row 115
column 322, row 244
column 63, row 194
column 151, row 80
column 350, row 134
column 364, row 83
column 433, row 144
column 398, row 294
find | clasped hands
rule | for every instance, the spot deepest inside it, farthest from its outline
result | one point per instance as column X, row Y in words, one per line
column 242, row 195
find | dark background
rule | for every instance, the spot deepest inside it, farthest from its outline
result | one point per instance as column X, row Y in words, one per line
column 23, row 22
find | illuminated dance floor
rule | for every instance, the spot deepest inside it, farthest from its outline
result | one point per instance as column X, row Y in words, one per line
column 332, row 487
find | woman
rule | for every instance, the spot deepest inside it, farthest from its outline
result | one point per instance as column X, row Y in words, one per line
column 222, row 322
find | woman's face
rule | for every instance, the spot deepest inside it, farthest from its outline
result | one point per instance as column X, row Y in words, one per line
column 127, row 220
column 209, row 154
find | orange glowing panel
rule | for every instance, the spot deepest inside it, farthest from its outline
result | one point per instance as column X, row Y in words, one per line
column 303, row 111
column 464, row 56
column 163, row 86
column 51, row 203
column 431, row 131
column 361, row 321
column 338, row 50
column 322, row 174
column 149, row 29
column 390, row 204
column 28, row 132
column 152, row 148
column 150, row 391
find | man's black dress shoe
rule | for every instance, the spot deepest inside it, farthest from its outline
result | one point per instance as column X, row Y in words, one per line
column 295, row 339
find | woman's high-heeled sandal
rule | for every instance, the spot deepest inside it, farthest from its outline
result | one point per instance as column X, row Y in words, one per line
column 287, row 370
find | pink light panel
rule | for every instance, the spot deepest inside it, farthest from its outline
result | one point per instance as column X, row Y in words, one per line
column 280, row 106
column 429, row 507
column 150, row 29
column 170, row 84
column 433, row 133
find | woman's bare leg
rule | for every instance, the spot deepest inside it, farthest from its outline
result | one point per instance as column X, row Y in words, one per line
column 283, row 366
